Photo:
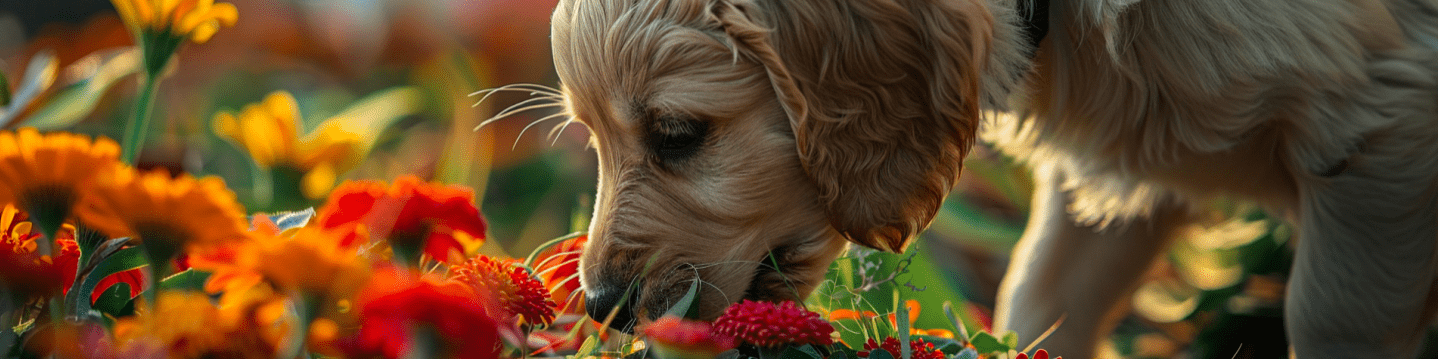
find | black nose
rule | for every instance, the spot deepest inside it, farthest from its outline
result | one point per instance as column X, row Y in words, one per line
column 601, row 302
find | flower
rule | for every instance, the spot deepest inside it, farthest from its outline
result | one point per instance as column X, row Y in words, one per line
column 1041, row 354
column 269, row 131
column 519, row 293
column 164, row 214
column 674, row 337
column 330, row 272
column 403, row 315
column 918, row 349
column 411, row 215
column 558, row 268
column 190, row 325
column 43, row 174
column 766, row 324
column 197, row 20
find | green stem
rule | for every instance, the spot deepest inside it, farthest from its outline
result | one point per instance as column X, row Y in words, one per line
column 139, row 125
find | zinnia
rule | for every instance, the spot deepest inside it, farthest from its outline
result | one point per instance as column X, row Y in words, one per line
column 400, row 312
column 519, row 293
column 766, row 324
column 918, row 348
column 414, row 216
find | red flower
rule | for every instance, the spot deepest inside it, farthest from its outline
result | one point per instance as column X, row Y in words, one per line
column 400, row 311
column 674, row 337
column 558, row 268
column 27, row 272
column 767, row 324
column 1041, row 354
column 410, row 214
column 918, row 349
column 519, row 294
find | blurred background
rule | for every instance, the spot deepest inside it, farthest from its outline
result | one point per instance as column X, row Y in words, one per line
column 1218, row 294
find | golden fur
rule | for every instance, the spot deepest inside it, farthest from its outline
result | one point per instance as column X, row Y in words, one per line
column 819, row 121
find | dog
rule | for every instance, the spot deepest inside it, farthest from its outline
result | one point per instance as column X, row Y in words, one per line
column 743, row 144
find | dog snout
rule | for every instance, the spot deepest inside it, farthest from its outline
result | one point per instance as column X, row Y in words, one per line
column 603, row 300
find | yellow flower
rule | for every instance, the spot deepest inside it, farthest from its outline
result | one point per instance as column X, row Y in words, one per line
column 44, row 174
column 197, row 20
column 166, row 214
column 269, row 131
column 190, row 325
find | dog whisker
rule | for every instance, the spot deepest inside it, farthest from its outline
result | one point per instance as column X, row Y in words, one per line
column 552, row 257
column 533, row 88
column 555, row 134
column 555, row 267
column 531, row 124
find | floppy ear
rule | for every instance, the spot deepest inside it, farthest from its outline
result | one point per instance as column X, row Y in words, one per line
column 882, row 96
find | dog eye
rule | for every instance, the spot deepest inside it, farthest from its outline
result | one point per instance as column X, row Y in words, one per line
column 678, row 139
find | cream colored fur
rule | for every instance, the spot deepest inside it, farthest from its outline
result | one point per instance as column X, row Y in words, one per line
column 833, row 120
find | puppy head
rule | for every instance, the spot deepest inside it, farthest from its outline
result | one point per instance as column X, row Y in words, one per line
column 741, row 142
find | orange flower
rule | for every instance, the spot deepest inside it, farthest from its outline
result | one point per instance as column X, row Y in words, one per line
column 558, row 268
column 163, row 213
column 412, row 215
column 44, row 174
column 190, row 325
column 519, row 293
column 402, row 314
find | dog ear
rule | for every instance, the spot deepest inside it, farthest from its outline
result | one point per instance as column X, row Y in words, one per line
column 882, row 96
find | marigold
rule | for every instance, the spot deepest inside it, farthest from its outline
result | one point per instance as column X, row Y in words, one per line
column 44, row 174
column 330, row 272
column 190, row 325
column 918, row 348
column 163, row 213
column 411, row 215
column 269, row 132
column 197, row 20
column 767, row 324
column 674, row 337
column 519, row 293
column 399, row 311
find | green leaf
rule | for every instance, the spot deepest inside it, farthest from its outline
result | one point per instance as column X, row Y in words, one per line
column 963, row 332
column 1011, row 339
column 116, row 301
column 78, row 300
column 986, row 343
column 967, row 353
column 800, row 353
column 4, row 91
column 370, row 116
column 78, row 100
column 588, row 348
column 901, row 321
column 189, row 280
column 880, row 354
column 685, row 307
column 39, row 75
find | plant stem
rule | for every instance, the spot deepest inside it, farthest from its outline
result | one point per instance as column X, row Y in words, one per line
column 139, row 125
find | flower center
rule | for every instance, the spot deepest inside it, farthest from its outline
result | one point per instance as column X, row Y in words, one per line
column 48, row 205
column 162, row 240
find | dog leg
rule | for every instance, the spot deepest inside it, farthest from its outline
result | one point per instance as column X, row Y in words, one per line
column 1064, row 270
column 1364, row 265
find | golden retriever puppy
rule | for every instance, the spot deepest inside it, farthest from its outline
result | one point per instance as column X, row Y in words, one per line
column 744, row 143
